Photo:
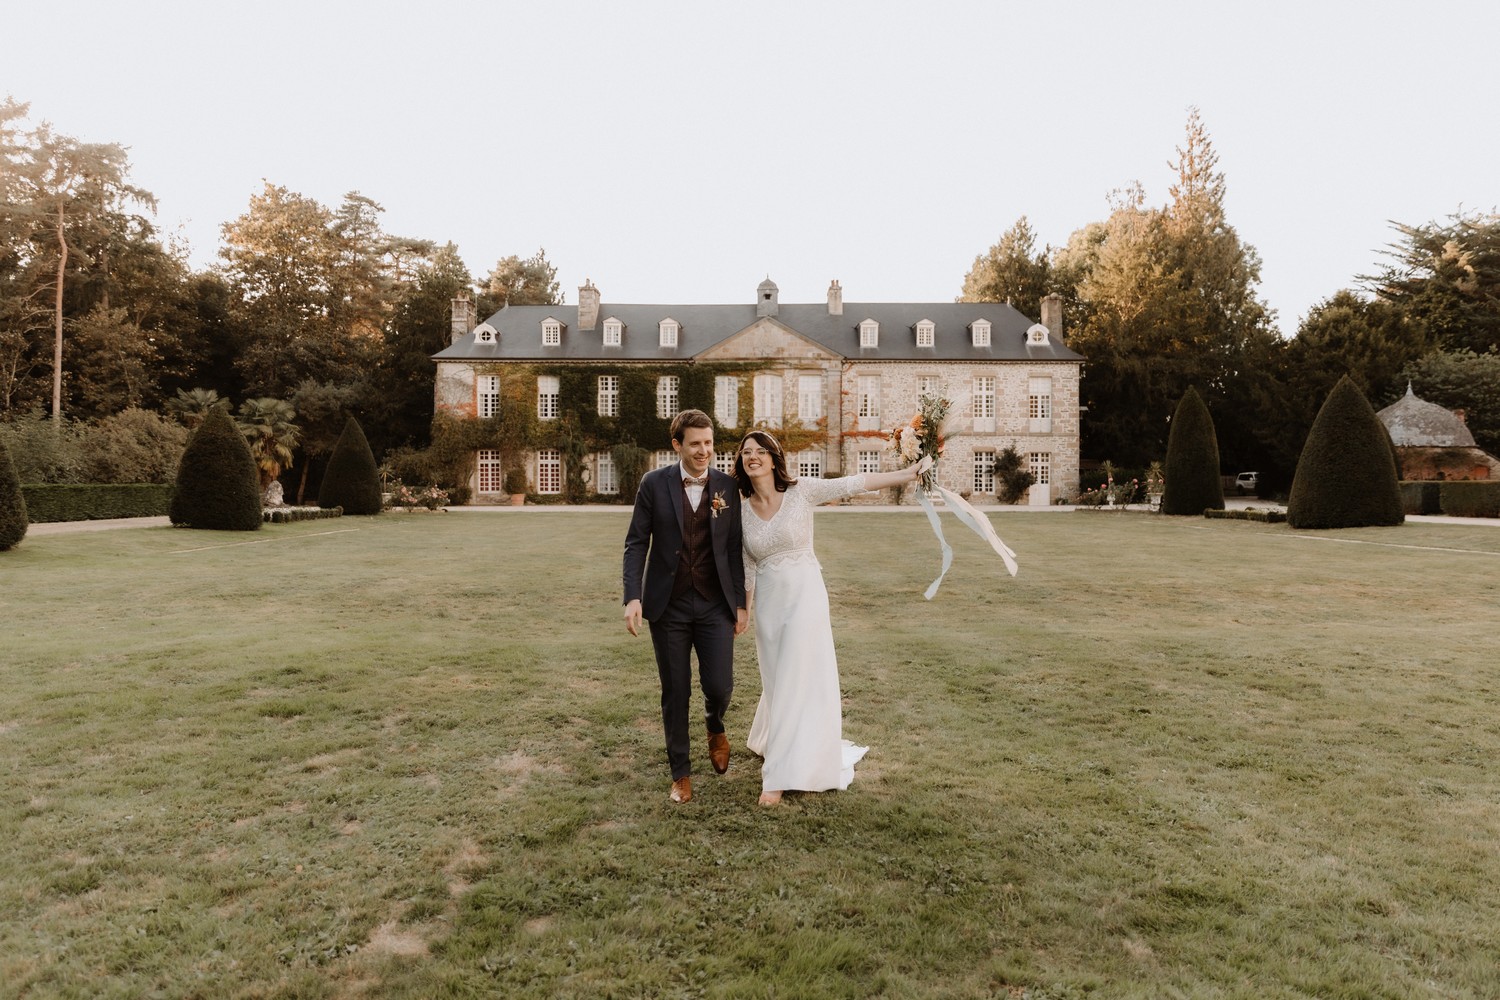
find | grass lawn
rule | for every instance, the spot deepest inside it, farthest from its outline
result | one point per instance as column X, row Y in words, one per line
column 419, row 756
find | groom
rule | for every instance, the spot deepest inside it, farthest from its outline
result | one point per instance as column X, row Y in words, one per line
column 685, row 573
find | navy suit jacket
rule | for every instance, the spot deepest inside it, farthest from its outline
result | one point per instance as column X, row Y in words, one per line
column 653, row 545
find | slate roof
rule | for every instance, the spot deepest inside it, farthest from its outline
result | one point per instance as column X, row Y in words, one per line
column 704, row 326
column 1414, row 422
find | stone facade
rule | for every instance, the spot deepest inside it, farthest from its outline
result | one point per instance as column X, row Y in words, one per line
column 1021, row 373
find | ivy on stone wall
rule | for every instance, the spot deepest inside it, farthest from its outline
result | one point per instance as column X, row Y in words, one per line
column 581, row 430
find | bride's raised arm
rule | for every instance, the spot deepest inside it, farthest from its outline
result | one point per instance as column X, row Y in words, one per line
column 880, row 480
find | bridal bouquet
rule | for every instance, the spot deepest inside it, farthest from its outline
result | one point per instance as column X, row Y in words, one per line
column 922, row 438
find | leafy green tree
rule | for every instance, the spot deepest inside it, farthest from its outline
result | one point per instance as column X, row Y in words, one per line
column 59, row 192
column 1459, row 380
column 113, row 364
column 351, row 480
column 1012, row 270
column 400, row 405
column 1447, row 278
column 1162, row 299
column 218, row 486
column 1370, row 340
column 13, row 522
column 270, row 429
column 322, row 412
column 1346, row 477
column 134, row 446
column 529, row 282
column 1194, row 482
column 282, row 261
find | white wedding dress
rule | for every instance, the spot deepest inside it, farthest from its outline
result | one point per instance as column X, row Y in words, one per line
column 798, row 725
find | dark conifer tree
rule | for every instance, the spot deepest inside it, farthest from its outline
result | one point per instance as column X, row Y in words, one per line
column 218, row 485
column 1346, row 476
column 351, row 480
column 13, row 522
column 1193, row 481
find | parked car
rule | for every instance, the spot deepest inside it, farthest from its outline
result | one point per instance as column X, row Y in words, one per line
column 1246, row 482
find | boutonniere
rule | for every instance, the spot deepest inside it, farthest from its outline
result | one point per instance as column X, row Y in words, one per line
column 719, row 503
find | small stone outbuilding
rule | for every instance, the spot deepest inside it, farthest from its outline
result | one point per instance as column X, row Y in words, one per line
column 1435, row 443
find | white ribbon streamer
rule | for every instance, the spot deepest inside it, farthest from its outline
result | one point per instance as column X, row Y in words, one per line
column 980, row 525
column 975, row 521
column 937, row 529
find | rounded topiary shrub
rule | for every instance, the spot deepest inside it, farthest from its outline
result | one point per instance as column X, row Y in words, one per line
column 1193, row 484
column 351, row 481
column 1346, row 477
column 218, row 486
column 13, row 521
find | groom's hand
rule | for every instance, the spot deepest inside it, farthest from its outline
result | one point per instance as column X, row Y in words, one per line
column 741, row 621
column 633, row 617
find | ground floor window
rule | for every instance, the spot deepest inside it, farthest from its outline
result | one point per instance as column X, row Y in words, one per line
column 663, row 459
column 810, row 464
column 491, row 479
column 724, row 462
column 984, row 472
column 867, row 461
column 1039, row 464
column 604, row 480
column 549, row 471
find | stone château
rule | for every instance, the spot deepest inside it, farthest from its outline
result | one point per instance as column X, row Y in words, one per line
column 831, row 379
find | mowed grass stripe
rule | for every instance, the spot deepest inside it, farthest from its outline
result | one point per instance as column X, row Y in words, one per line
column 424, row 759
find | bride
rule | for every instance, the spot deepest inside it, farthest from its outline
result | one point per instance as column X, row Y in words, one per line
column 798, row 727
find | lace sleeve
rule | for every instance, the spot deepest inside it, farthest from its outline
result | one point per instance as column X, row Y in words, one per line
column 749, row 578
column 827, row 490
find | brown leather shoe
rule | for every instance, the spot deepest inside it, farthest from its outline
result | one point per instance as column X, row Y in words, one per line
column 718, row 751
column 682, row 790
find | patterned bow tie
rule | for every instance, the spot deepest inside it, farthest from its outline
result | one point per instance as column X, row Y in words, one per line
column 690, row 481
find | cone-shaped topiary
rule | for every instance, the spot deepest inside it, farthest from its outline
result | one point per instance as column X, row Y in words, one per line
column 13, row 522
column 1346, row 477
column 218, row 486
column 351, row 481
column 1193, row 483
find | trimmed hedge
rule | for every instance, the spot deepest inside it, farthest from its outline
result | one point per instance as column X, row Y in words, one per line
column 96, row 501
column 1421, row 497
column 351, row 480
column 1346, row 475
column 1263, row 516
column 218, row 485
column 1192, row 467
column 13, row 518
column 286, row 515
column 1470, row 498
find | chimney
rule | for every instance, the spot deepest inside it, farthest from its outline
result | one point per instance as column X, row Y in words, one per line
column 1052, row 316
column 463, row 317
column 588, row 305
column 835, row 299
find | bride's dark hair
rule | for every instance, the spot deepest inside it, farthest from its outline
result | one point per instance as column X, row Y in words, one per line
column 778, row 463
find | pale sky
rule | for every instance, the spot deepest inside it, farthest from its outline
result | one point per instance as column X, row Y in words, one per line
column 684, row 151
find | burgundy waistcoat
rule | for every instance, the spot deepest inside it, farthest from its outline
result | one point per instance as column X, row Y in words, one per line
column 695, row 562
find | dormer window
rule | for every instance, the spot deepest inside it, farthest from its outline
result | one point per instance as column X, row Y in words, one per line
column 1036, row 334
column 669, row 330
column 551, row 332
column 926, row 332
column 980, row 330
column 614, row 332
column 485, row 334
column 869, row 333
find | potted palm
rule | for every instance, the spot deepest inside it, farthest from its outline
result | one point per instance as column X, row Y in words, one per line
column 1156, row 482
